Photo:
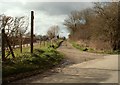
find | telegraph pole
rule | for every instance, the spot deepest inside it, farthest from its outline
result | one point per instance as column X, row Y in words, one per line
column 32, row 27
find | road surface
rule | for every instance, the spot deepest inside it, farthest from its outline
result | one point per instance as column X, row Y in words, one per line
column 80, row 67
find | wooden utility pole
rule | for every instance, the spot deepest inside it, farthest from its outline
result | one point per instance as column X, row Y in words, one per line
column 3, row 44
column 32, row 27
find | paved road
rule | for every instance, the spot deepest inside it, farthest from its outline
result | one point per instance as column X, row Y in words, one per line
column 83, row 67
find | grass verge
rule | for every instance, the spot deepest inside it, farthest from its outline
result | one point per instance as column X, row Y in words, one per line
column 81, row 48
column 41, row 60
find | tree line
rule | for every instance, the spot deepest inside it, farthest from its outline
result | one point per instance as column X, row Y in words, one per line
column 96, row 27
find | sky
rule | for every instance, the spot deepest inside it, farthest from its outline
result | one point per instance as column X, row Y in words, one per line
column 46, row 13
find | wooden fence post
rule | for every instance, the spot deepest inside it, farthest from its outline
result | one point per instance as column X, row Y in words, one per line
column 32, row 26
column 8, row 43
column 3, row 44
column 20, row 42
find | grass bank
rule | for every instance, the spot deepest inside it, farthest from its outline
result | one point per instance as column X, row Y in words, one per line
column 25, row 64
column 88, row 49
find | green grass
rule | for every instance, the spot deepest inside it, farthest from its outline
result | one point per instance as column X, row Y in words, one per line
column 40, row 59
column 17, row 52
column 43, row 57
column 74, row 44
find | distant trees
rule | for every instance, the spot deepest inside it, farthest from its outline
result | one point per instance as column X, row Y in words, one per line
column 97, row 24
column 53, row 31
column 78, row 22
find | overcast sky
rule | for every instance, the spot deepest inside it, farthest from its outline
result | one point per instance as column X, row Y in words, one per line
column 46, row 13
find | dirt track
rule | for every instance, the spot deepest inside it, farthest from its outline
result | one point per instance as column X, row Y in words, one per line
column 83, row 67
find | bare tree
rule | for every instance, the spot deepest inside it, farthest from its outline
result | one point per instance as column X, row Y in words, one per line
column 5, row 23
column 53, row 31
column 78, row 23
column 14, row 27
column 108, row 16
column 100, row 23
column 20, row 27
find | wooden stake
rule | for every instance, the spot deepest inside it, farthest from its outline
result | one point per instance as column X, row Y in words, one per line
column 7, row 40
column 3, row 45
column 20, row 42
